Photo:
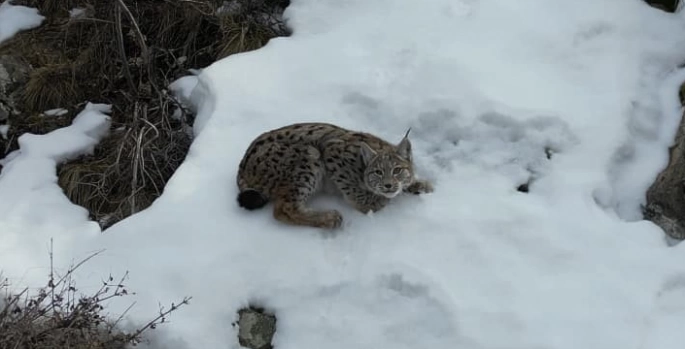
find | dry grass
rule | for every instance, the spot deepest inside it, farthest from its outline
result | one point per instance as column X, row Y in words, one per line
column 251, row 26
column 51, row 85
column 57, row 317
column 128, row 170
column 126, row 56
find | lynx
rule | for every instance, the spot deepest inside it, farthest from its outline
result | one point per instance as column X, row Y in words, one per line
column 288, row 165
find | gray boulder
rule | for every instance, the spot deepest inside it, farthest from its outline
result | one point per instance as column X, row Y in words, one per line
column 256, row 328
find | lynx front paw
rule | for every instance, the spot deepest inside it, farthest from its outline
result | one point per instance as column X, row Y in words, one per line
column 331, row 219
column 420, row 187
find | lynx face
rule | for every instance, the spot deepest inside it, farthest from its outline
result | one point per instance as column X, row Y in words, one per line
column 387, row 173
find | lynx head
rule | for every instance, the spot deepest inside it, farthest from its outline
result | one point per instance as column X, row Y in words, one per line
column 388, row 172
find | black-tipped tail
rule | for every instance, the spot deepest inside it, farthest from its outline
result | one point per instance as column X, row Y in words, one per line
column 251, row 199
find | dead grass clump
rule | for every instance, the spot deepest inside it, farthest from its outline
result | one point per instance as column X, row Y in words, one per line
column 50, row 86
column 242, row 35
column 129, row 168
column 125, row 53
column 249, row 25
column 58, row 317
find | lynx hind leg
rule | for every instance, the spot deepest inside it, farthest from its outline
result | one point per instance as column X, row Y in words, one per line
column 290, row 199
column 297, row 213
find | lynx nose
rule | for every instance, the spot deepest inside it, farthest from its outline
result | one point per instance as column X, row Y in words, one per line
column 388, row 186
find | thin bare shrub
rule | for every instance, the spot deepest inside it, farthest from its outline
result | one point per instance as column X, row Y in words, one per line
column 57, row 316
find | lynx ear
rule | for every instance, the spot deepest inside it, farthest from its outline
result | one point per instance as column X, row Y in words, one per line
column 367, row 152
column 404, row 147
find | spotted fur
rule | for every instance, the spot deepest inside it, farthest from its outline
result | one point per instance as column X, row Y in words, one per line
column 288, row 165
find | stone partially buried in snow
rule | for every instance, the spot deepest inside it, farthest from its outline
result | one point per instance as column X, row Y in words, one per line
column 256, row 328
column 666, row 5
column 665, row 199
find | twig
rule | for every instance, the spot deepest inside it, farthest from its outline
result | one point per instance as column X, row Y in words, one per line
column 51, row 283
column 121, row 317
column 136, row 30
column 162, row 316
column 136, row 161
column 122, row 50
column 79, row 264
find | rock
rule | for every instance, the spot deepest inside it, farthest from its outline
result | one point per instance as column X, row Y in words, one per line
column 4, row 112
column 671, row 226
column 256, row 328
column 666, row 197
column 523, row 188
column 666, row 5
column 14, row 73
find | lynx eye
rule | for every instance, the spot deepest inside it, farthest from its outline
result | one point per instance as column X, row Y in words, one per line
column 378, row 172
column 396, row 170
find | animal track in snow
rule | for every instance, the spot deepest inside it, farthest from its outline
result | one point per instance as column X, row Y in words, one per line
column 664, row 326
column 401, row 312
column 521, row 150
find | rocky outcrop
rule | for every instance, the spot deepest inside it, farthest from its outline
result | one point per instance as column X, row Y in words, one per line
column 256, row 328
column 13, row 74
column 666, row 197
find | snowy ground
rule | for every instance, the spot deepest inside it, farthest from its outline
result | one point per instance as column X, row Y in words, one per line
column 489, row 87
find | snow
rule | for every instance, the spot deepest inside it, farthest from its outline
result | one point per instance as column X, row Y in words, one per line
column 77, row 12
column 55, row 112
column 489, row 88
column 14, row 18
column 3, row 130
column 183, row 88
column 33, row 207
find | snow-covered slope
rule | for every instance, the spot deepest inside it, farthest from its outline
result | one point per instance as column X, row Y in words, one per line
column 33, row 208
column 490, row 88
